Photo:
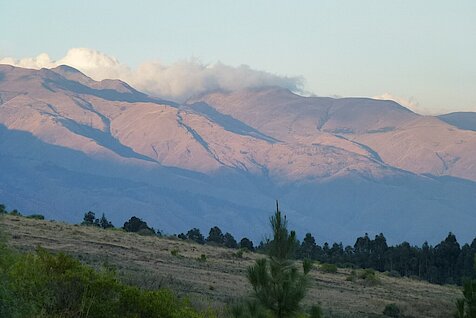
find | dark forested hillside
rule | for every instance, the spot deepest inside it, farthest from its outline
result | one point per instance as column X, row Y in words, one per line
column 445, row 263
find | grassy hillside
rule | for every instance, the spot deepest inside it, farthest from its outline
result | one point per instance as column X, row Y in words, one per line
column 218, row 277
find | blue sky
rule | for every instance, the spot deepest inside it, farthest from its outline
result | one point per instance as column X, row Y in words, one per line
column 423, row 51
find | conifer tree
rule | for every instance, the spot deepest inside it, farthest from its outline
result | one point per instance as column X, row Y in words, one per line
column 247, row 243
column 278, row 285
column 105, row 223
column 215, row 236
column 196, row 236
column 466, row 306
column 308, row 246
column 229, row 241
column 89, row 218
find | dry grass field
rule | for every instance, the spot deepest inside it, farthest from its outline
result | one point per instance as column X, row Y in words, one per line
column 218, row 278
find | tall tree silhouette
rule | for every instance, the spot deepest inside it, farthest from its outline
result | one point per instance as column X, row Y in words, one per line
column 278, row 285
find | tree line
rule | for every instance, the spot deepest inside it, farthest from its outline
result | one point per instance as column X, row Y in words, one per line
column 278, row 285
column 137, row 225
column 445, row 263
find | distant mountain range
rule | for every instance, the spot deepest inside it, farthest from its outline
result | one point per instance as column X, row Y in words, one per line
column 340, row 167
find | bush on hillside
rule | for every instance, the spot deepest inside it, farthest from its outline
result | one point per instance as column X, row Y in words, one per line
column 196, row 236
column 36, row 217
column 392, row 310
column 42, row 284
column 328, row 268
column 369, row 276
column 146, row 232
column 135, row 225
column 247, row 243
column 15, row 212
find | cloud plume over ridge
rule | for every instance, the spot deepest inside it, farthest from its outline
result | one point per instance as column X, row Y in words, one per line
column 177, row 81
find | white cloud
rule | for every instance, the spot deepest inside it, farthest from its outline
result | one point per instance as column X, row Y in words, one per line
column 410, row 103
column 177, row 81
column 414, row 105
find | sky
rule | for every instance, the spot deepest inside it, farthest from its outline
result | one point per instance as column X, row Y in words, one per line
column 420, row 53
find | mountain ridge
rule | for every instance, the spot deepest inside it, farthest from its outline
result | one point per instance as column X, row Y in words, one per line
column 222, row 156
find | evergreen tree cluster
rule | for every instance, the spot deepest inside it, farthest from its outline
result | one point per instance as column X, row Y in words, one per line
column 139, row 226
column 15, row 212
column 91, row 220
column 134, row 224
column 217, row 238
column 445, row 263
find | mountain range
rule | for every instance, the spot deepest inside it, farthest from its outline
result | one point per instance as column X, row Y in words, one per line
column 340, row 167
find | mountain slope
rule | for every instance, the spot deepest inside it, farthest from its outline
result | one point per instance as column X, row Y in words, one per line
column 461, row 120
column 385, row 130
column 341, row 167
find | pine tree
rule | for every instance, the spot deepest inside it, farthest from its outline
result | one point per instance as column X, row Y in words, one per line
column 105, row 223
column 215, row 236
column 229, row 241
column 278, row 285
column 89, row 218
column 466, row 306
column 135, row 225
column 247, row 243
column 196, row 236
column 308, row 247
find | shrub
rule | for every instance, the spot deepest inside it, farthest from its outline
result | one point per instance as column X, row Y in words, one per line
column 58, row 285
column 202, row 258
column 15, row 213
column 316, row 312
column 366, row 273
column 135, row 225
column 146, row 232
column 239, row 253
column 393, row 273
column 369, row 277
column 392, row 310
column 36, row 217
column 174, row 252
column 328, row 268
column 352, row 277
column 42, row 284
column 161, row 303
column 246, row 243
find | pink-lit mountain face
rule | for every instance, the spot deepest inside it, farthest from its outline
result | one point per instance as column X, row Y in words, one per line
column 340, row 167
